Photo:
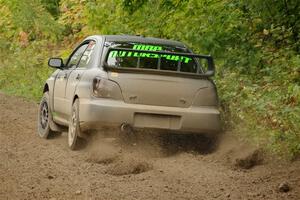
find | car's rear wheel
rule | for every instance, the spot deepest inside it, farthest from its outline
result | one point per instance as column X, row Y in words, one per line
column 74, row 140
column 44, row 118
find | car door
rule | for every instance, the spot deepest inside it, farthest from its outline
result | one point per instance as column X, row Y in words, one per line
column 61, row 82
column 77, row 74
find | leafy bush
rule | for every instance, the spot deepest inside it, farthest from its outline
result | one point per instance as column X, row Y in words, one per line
column 24, row 72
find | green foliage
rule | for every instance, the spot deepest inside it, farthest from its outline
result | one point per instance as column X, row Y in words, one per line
column 23, row 22
column 52, row 7
column 73, row 17
column 282, row 15
column 255, row 43
column 24, row 72
column 26, row 31
column 132, row 5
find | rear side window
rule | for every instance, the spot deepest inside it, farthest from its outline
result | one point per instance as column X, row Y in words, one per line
column 76, row 56
column 147, row 60
column 87, row 55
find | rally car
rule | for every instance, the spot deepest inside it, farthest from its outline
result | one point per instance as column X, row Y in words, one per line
column 129, row 82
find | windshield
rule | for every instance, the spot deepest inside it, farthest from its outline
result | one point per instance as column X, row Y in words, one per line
column 130, row 58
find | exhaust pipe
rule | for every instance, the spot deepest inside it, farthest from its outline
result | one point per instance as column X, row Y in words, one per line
column 126, row 128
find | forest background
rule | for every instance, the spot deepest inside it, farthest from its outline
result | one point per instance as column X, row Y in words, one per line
column 255, row 43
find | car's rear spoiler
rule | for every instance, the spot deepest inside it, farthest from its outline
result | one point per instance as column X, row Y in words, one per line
column 210, row 70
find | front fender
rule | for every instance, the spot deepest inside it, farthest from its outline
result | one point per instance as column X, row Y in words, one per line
column 50, row 84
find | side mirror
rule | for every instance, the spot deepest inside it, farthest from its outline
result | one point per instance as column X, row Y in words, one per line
column 56, row 63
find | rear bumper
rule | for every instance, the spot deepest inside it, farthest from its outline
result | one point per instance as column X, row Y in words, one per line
column 98, row 113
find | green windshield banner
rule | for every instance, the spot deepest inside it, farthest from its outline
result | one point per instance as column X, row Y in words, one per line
column 117, row 53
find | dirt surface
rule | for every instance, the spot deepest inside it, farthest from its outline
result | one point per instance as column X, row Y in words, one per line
column 145, row 167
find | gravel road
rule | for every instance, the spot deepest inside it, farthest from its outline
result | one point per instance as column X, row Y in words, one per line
column 147, row 167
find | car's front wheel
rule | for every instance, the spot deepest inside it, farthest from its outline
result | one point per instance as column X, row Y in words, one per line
column 74, row 140
column 44, row 117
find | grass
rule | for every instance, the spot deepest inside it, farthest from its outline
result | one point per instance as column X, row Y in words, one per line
column 265, row 112
column 24, row 71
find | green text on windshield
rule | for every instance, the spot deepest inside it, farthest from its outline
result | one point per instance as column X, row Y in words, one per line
column 120, row 53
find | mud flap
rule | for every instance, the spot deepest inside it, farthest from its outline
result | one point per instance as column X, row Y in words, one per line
column 55, row 127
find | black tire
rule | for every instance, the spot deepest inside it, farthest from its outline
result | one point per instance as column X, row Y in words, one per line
column 44, row 118
column 74, row 141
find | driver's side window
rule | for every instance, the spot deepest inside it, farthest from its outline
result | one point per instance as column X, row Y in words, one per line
column 73, row 61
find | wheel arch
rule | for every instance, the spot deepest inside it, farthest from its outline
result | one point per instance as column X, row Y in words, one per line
column 46, row 88
column 74, row 98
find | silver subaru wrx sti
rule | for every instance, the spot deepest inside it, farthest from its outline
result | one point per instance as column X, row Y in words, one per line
column 129, row 82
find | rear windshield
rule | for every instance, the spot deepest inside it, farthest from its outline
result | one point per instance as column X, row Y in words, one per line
column 154, row 61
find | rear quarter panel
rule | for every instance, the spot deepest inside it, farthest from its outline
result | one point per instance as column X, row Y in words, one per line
column 84, row 87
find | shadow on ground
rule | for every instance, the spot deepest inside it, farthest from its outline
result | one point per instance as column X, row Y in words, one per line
column 168, row 144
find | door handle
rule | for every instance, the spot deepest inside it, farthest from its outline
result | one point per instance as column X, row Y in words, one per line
column 132, row 97
column 65, row 76
column 182, row 100
column 78, row 76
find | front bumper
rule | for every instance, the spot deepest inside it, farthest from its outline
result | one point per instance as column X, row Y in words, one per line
column 98, row 113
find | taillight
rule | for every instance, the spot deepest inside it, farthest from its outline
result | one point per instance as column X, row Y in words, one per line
column 106, row 89
column 206, row 97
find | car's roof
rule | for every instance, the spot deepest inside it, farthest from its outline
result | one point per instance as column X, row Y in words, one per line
column 142, row 39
